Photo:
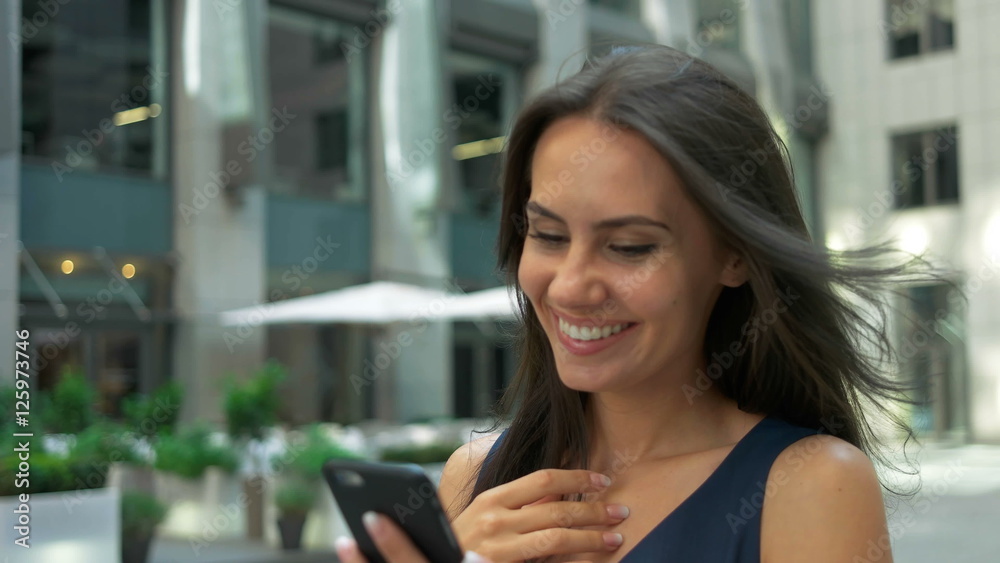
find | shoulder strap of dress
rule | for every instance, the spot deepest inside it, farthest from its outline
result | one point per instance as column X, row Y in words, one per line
column 489, row 456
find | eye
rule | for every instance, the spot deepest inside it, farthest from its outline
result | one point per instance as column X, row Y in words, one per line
column 547, row 238
column 634, row 251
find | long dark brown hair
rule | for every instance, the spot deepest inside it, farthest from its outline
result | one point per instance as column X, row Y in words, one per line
column 816, row 365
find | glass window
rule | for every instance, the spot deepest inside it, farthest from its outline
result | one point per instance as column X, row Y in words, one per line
column 718, row 24
column 320, row 153
column 485, row 97
column 931, row 357
column 630, row 8
column 925, row 168
column 914, row 28
column 94, row 86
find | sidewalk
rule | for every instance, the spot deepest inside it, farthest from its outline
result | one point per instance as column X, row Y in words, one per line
column 179, row 550
column 954, row 515
column 952, row 518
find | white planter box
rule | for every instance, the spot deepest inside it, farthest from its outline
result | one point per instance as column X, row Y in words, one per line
column 79, row 526
column 203, row 509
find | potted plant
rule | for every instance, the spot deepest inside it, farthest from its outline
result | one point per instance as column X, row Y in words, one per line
column 141, row 513
column 300, row 477
column 148, row 417
column 294, row 498
column 65, row 487
column 193, row 475
column 251, row 408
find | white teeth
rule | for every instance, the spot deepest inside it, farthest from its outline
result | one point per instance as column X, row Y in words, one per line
column 589, row 333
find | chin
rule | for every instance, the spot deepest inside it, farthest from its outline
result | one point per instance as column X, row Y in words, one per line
column 580, row 380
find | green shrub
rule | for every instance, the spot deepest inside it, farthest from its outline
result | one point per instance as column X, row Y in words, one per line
column 252, row 406
column 141, row 513
column 190, row 452
column 154, row 414
column 306, row 456
column 47, row 473
column 296, row 495
column 69, row 407
column 430, row 453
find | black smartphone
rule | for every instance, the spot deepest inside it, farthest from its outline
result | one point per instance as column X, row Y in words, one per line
column 401, row 491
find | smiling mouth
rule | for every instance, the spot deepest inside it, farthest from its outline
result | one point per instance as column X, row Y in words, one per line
column 591, row 333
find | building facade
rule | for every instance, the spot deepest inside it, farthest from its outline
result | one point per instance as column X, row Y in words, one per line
column 913, row 86
column 180, row 158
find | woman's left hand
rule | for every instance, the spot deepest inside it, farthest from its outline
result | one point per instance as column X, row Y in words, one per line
column 391, row 541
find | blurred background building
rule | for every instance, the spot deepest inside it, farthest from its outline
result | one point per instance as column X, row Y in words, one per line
column 162, row 161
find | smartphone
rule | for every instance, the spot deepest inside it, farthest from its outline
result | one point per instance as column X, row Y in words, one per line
column 401, row 491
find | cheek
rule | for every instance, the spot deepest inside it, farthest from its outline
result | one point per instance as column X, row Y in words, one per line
column 531, row 275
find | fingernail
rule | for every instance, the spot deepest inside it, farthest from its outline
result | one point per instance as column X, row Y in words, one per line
column 344, row 547
column 343, row 542
column 600, row 481
column 617, row 511
column 370, row 520
column 612, row 539
column 473, row 557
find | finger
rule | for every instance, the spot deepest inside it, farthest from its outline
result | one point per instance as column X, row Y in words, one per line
column 391, row 541
column 547, row 498
column 568, row 514
column 347, row 551
column 539, row 484
column 556, row 541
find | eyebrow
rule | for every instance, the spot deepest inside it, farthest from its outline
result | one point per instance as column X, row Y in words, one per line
column 604, row 224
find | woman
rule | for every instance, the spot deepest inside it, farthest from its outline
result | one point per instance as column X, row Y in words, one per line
column 691, row 369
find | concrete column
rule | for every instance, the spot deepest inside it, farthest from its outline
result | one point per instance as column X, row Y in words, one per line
column 10, row 182
column 563, row 40
column 410, row 232
column 219, row 239
column 673, row 22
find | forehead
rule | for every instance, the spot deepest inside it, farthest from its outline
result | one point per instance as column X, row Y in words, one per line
column 585, row 166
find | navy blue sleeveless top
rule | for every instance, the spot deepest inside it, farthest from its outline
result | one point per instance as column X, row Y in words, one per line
column 720, row 521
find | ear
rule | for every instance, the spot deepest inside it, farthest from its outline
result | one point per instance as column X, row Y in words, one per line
column 735, row 272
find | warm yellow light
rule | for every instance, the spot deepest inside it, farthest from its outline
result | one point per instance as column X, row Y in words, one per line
column 67, row 267
column 136, row 115
column 478, row 148
column 128, row 270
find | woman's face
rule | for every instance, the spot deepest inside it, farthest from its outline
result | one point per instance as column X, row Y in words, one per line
column 620, row 266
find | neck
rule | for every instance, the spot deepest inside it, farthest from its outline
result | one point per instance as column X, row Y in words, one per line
column 642, row 424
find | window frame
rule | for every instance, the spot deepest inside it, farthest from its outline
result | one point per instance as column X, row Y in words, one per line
column 925, row 32
column 930, row 184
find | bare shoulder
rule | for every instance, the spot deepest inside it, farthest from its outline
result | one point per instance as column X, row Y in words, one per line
column 823, row 503
column 460, row 472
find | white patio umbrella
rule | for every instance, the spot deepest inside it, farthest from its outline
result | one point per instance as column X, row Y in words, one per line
column 379, row 302
column 493, row 303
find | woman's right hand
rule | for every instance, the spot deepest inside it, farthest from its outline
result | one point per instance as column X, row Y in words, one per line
column 525, row 518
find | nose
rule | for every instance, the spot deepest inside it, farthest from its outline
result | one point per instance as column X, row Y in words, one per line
column 578, row 286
